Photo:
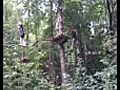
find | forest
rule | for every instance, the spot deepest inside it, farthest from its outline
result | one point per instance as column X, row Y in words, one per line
column 59, row 44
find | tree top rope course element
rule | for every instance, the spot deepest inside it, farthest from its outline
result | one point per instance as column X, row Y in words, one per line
column 60, row 38
column 23, row 36
column 23, row 42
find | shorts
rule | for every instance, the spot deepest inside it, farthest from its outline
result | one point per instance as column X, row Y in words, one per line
column 22, row 36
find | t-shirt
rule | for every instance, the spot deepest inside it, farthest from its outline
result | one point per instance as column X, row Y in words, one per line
column 21, row 30
column 74, row 35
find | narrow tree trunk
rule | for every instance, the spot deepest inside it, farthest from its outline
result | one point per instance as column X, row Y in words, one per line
column 51, row 54
column 59, row 30
column 28, row 31
column 75, row 49
column 110, row 15
column 80, row 35
column 63, row 67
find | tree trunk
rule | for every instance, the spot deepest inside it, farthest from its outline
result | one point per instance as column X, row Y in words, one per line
column 75, row 50
column 110, row 15
column 55, row 71
column 28, row 31
column 63, row 66
column 59, row 31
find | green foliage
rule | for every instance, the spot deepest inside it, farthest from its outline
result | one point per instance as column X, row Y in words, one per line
column 90, row 18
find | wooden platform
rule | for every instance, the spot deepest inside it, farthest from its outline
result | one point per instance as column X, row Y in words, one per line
column 60, row 39
column 22, row 45
column 25, row 59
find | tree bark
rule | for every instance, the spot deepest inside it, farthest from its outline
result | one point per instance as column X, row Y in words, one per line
column 110, row 15
column 59, row 30
column 63, row 66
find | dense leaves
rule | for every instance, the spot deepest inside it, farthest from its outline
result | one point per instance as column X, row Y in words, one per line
column 95, row 53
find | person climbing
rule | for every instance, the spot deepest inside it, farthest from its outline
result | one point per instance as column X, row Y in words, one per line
column 22, row 35
column 74, row 36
